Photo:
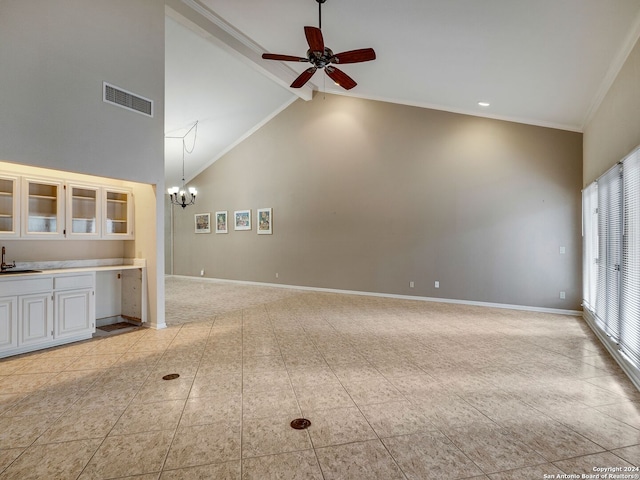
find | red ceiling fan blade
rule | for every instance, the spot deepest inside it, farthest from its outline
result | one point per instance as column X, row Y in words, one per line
column 354, row 56
column 314, row 39
column 283, row 58
column 341, row 78
column 304, row 77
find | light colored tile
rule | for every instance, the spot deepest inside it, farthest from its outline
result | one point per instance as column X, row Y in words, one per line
column 356, row 461
column 630, row 454
column 123, row 455
column 338, row 426
column 23, row 431
column 301, row 465
column 309, row 376
column 204, row 444
column 396, row 418
column 272, row 435
column 8, row 456
column 204, row 410
column 270, row 380
column 322, row 397
column 625, row 412
column 55, row 460
column 26, row 383
column 586, row 464
column 371, row 392
column 81, row 424
column 493, row 449
column 270, row 403
column 217, row 471
column 430, row 456
column 537, row 472
column 147, row 417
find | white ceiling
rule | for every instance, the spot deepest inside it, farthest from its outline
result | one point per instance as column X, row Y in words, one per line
column 542, row 62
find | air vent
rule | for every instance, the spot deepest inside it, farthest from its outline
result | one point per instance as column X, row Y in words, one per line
column 128, row 100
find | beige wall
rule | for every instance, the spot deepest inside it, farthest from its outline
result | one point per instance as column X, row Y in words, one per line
column 614, row 129
column 370, row 196
column 54, row 57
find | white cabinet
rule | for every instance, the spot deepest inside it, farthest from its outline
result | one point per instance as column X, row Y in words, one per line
column 75, row 305
column 35, row 319
column 118, row 213
column 8, row 323
column 40, row 311
column 9, row 206
column 83, row 212
column 42, row 208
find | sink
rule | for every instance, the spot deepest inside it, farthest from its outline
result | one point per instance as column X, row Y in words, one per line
column 17, row 272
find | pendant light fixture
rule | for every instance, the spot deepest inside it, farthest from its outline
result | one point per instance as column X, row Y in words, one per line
column 181, row 196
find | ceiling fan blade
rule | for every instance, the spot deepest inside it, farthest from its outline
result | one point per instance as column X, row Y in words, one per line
column 341, row 78
column 314, row 39
column 283, row 58
column 303, row 77
column 354, row 56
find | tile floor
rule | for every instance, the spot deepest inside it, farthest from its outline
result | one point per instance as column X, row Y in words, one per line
column 394, row 389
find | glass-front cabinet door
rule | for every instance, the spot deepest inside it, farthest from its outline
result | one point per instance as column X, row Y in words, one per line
column 83, row 211
column 118, row 213
column 43, row 208
column 9, row 207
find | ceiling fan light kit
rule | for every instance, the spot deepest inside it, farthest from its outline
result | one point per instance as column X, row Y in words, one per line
column 322, row 57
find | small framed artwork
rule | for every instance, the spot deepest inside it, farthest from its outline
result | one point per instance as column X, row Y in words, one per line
column 221, row 222
column 203, row 222
column 242, row 219
column 265, row 221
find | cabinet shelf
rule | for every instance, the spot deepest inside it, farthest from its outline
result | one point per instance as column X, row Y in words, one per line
column 109, row 200
column 45, row 217
column 6, row 194
column 6, row 215
column 83, row 197
column 44, row 197
column 116, row 221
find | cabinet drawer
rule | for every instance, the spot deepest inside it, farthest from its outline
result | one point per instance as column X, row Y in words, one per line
column 25, row 286
column 73, row 281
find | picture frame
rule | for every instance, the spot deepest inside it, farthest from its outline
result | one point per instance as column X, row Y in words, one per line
column 221, row 222
column 202, row 222
column 242, row 220
column 264, row 221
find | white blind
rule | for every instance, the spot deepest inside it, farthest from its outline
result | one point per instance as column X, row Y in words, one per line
column 589, row 245
column 609, row 251
column 630, row 267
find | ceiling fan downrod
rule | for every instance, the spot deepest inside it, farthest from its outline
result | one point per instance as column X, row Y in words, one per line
column 320, row 2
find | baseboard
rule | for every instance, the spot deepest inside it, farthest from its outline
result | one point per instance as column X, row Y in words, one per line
column 612, row 347
column 391, row 295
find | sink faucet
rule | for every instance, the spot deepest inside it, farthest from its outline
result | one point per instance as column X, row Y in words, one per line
column 6, row 266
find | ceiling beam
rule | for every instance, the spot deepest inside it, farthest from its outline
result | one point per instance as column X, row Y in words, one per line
column 195, row 16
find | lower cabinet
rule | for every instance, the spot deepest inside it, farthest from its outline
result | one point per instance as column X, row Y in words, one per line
column 45, row 311
column 36, row 319
column 73, row 313
column 8, row 323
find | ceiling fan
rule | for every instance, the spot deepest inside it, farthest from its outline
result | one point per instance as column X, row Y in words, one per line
column 322, row 57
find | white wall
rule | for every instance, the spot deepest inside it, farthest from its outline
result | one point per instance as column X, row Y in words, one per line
column 54, row 57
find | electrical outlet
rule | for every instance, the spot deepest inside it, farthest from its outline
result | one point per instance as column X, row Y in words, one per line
column 411, row 285
column 437, row 284
column 563, row 250
column 202, row 272
column 276, row 274
column 563, row 295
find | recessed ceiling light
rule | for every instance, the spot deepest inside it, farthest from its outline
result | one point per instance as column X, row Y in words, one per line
column 484, row 104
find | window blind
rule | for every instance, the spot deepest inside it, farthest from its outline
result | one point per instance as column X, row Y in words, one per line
column 630, row 267
column 590, row 245
column 609, row 251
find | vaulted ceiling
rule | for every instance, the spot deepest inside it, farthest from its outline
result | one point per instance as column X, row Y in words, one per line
column 542, row 62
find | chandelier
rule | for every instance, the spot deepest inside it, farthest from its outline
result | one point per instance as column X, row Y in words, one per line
column 181, row 196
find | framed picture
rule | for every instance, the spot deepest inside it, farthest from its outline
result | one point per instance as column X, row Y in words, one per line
column 242, row 219
column 221, row 222
column 265, row 221
column 203, row 222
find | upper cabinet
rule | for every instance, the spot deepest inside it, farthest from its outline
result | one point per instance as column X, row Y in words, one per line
column 118, row 213
column 9, row 204
column 83, row 211
column 35, row 207
column 43, row 208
